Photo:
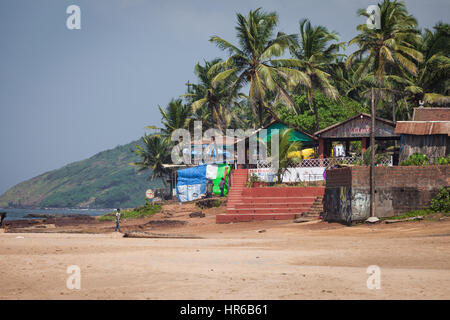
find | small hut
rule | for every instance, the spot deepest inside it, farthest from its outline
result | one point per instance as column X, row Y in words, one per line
column 427, row 134
column 356, row 128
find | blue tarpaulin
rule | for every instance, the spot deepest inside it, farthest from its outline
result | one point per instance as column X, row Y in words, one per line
column 191, row 183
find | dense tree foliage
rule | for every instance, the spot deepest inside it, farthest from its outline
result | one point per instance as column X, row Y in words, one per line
column 307, row 81
column 270, row 74
column 329, row 111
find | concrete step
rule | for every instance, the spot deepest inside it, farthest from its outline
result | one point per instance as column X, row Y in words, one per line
column 227, row 218
column 246, row 205
column 269, row 200
column 316, row 208
column 266, row 210
column 284, row 192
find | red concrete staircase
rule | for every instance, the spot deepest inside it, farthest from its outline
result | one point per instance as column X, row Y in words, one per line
column 277, row 203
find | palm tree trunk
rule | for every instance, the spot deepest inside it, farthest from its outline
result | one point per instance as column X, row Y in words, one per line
column 260, row 114
column 253, row 103
column 393, row 108
column 378, row 97
column 217, row 119
column 308, row 97
column 407, row 108
column 316, row 113
column 312, row 106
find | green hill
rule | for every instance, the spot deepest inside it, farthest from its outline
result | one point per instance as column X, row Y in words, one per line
column 106, row 180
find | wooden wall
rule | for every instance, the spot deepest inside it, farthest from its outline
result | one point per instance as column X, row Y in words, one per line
column 430, row 145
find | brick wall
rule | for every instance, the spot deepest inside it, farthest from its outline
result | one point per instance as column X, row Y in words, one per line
column 397, row 189
column 427, row 177
column 339, row 177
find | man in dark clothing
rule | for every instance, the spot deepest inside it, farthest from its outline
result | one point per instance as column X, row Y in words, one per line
column 2, row 216
column 209, row 187
column 222, row 186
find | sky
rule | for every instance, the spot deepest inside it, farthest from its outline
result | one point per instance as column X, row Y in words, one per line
column 66, row 95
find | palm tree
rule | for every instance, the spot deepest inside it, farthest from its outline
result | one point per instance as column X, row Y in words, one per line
column 216, row 98
column 285, row 148
column 393, row 45
column 241, row 114
column 314, row 54
column 176, row 115
column 349, row 83
column 432, row 84
column 153, row 154
column 252, row 62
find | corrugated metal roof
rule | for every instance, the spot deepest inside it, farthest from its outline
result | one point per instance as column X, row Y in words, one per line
column 423, row 127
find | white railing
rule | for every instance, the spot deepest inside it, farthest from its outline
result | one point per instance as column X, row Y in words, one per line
column 325, row 162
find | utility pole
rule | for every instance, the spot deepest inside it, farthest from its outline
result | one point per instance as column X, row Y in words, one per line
column 372, row 158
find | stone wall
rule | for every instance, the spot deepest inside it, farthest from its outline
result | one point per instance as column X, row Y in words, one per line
column 397, row 189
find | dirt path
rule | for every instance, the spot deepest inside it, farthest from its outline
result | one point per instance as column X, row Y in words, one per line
column 315, row 260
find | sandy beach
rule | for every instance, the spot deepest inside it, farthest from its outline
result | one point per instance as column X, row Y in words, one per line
column 255, row 260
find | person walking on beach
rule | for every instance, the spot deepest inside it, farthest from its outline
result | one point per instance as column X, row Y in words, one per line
column 2, row 217
column 222, row 186
column 117, row 220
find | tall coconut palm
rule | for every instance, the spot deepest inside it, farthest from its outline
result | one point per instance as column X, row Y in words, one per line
column 252, row 62
column 215, row 98
column 176, row 115
column 392, row 46
column 432, row 84
column 154, row 152
column 351, row 84
column 314, row 53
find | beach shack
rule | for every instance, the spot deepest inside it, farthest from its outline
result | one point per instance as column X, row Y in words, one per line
column 308, row 141
column 428, row 133
column 356, row 128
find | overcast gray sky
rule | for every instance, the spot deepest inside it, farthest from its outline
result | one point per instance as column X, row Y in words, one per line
column 68, row 94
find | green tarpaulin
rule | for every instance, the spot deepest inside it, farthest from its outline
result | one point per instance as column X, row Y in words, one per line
column 223, row 171
column 295, row 136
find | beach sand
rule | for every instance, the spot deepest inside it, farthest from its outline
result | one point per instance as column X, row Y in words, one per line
column 254, row 260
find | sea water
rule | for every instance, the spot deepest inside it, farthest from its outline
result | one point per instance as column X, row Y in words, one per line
column 19, row 214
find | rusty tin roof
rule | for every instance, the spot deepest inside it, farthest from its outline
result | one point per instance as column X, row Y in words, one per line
column 423, row 127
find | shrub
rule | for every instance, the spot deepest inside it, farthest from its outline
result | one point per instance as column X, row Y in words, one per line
column 416, row 159
column 441, row 203
column 136, row 213
column 252, row 179
column 366, row 156
column 442, row 160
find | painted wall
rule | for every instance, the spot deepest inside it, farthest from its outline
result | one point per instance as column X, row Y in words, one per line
column 292, row 175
